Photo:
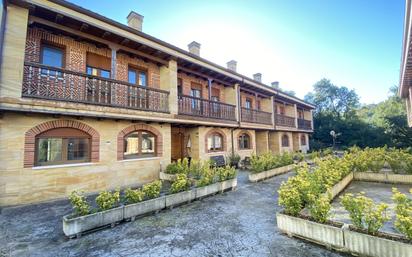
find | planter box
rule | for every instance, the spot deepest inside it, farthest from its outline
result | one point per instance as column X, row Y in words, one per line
column 227, row 184
column 329, row 236
column 207, row 190
column 137, row 209
column 383, row 177
column 168, row 177
column 270, row 173
column 179, row 198
column 76, row 226
column 341, row 185
column 367, row 245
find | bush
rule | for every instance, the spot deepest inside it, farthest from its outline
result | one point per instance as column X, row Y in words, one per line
column 319, row 207
column 269, row 161
column 225, row 173
column 290, row 197
column 364, row 213
column 133, row 196
column 403, row 211
column 326, row 152
column 207, row 176
column 233, row 159
column 107, row 200
column 179, row 167
column 297, row 156
column 152, row 190
column 79, row 203
column 180, row 184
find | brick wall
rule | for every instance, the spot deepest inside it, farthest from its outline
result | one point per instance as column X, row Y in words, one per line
column 187, row 81
column 75, row 55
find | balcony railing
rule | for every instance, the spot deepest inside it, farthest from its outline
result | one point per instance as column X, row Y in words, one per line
column 195, row 106
column 304, row 124
column 51, row 83
column 256, row 116
column 285, row 121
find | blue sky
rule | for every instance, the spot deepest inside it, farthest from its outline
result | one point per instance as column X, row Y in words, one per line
column 354, row 43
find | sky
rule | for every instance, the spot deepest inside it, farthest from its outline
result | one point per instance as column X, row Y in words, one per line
column 354, row 43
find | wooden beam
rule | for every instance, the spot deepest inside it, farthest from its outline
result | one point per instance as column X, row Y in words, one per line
column 58, row 18
column 204, row 76
column 125, row 41
column 94, row 38
column 106, row 34
column 84, row 27
column 253, row 92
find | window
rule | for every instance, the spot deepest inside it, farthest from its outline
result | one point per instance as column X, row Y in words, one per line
column 62, row 146
column 244, row 141
column 98, row 65
column 285, row 141
column 139, row 144
column 215, row 142
column 195, row 92
column 248, row 103
column 137, row 77
column 300, row 114
column 280, row 109
column 303, row 140
column 179, row 86
column 53, row 57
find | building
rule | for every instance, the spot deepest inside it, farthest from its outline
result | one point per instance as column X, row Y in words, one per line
column 405, row 82
column 90, row 104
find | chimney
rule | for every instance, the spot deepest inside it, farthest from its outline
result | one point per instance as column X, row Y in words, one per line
column 194, row 48
column 275, row 84
column 258, row 77
column 231, row 65
column 135, row 20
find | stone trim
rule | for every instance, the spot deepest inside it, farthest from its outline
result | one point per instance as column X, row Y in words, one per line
column 30, row 138
column 136, row 127
column 224, row 141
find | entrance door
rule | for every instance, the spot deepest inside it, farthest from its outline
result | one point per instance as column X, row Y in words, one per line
column 177, row 146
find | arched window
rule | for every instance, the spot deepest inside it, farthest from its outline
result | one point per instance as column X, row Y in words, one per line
column 139, row 144
column 303, row 140
column 285, row 140
column 244, row 141
column 62, row 146
column 215, row 142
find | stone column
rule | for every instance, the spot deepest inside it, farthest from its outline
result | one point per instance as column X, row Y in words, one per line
column 296, row 115
column 168, row 82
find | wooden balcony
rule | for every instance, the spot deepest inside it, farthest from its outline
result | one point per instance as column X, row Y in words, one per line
column 285, row 121
column 51, row 83
column 256, row 116
column 304, row 124
column 194, row 106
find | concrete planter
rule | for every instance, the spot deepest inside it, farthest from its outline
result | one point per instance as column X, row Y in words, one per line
column 341, row 185
column 180, row 198
column 168, row 177
column 254, row 177
column 227, row 184
column 329, row 236
column 207, row 190
column 137, row 209
column 367, row 245
column 383, row 177
column 75, row 226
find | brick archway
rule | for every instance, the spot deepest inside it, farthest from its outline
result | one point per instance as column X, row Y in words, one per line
column 30, row 138
column 250, row 138
column 220, row 132
column 135, row 127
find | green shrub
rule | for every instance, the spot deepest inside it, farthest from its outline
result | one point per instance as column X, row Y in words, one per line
column 225, row 173
column 298, row 156
column 195, row 168
column 233, row 159
column 364, row 213
column 172, row 168
column 179, row 167
column 133, row 196
column 79, row 203
column 313, row 155
column 107, row 200
column 180, row 184
column 269, row 161
column 207, row 176
column 152, row 190
column 403, row 211
column 326, row 152
column 319, row 207
column 290, row 197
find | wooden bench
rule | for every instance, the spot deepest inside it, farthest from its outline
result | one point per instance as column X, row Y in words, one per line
column 218, row 161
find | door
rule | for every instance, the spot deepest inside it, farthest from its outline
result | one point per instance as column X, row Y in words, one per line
column 177, row 151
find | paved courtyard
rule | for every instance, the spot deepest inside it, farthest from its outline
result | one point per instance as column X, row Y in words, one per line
column 379, row 192
column 238, row 223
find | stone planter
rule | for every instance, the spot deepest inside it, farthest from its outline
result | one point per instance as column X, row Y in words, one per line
column 383, row 177
column 227, row 184
column 367, row 245
column 137, row 209
column 327, row 235
column 167, row 177
column 341, row 185
column 207, row 190
column 75, row 226
column 180, row 198
column 254, row 177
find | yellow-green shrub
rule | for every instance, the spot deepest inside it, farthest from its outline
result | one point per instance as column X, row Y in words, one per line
column 403, row 212
column 152, row 190
column 225, row 173
column 107, row 200
column 180, row 184
column 79, row 203
column 133, row 196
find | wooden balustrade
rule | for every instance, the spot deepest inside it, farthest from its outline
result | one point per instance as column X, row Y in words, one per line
column 40, row 81
column 195, row 106
column 256, row 116
column 304, row 124
column 285, row 121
